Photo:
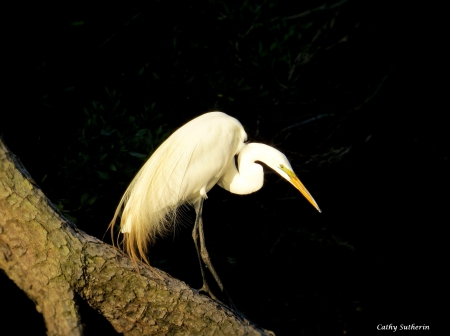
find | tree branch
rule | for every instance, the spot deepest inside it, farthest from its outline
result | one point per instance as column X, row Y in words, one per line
column 50, row 259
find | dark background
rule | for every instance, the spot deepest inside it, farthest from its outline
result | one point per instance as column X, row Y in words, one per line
column 349, row 92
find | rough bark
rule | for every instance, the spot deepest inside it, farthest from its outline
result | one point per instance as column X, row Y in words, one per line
column 51, row 260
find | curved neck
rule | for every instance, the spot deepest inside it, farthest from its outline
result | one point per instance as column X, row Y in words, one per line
column 250, row 176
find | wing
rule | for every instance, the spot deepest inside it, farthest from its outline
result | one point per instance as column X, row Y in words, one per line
column 190, row 161
column 214, row 139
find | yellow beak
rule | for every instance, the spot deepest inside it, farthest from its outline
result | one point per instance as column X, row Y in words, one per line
column 299, row 185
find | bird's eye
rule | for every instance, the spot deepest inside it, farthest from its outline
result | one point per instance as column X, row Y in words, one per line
column 282, row 166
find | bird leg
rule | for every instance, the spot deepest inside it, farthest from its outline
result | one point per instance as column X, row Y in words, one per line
column 205, row 255
column 202, row 252
column 205, row 287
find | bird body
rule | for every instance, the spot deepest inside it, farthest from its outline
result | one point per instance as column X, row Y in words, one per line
column 184, row 168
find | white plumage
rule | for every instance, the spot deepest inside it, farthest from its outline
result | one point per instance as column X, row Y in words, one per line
column 184, row 168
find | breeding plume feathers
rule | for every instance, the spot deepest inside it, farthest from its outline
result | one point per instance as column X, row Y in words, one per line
column 183, row 169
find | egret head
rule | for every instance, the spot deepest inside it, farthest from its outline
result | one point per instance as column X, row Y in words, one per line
column 279, row 163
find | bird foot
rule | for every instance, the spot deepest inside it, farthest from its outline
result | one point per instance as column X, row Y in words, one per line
column 205, row 290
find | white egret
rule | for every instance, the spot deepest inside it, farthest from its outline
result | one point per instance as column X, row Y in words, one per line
column 183, row 169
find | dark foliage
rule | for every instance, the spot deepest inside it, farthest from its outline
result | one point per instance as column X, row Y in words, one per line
column 336, row 86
